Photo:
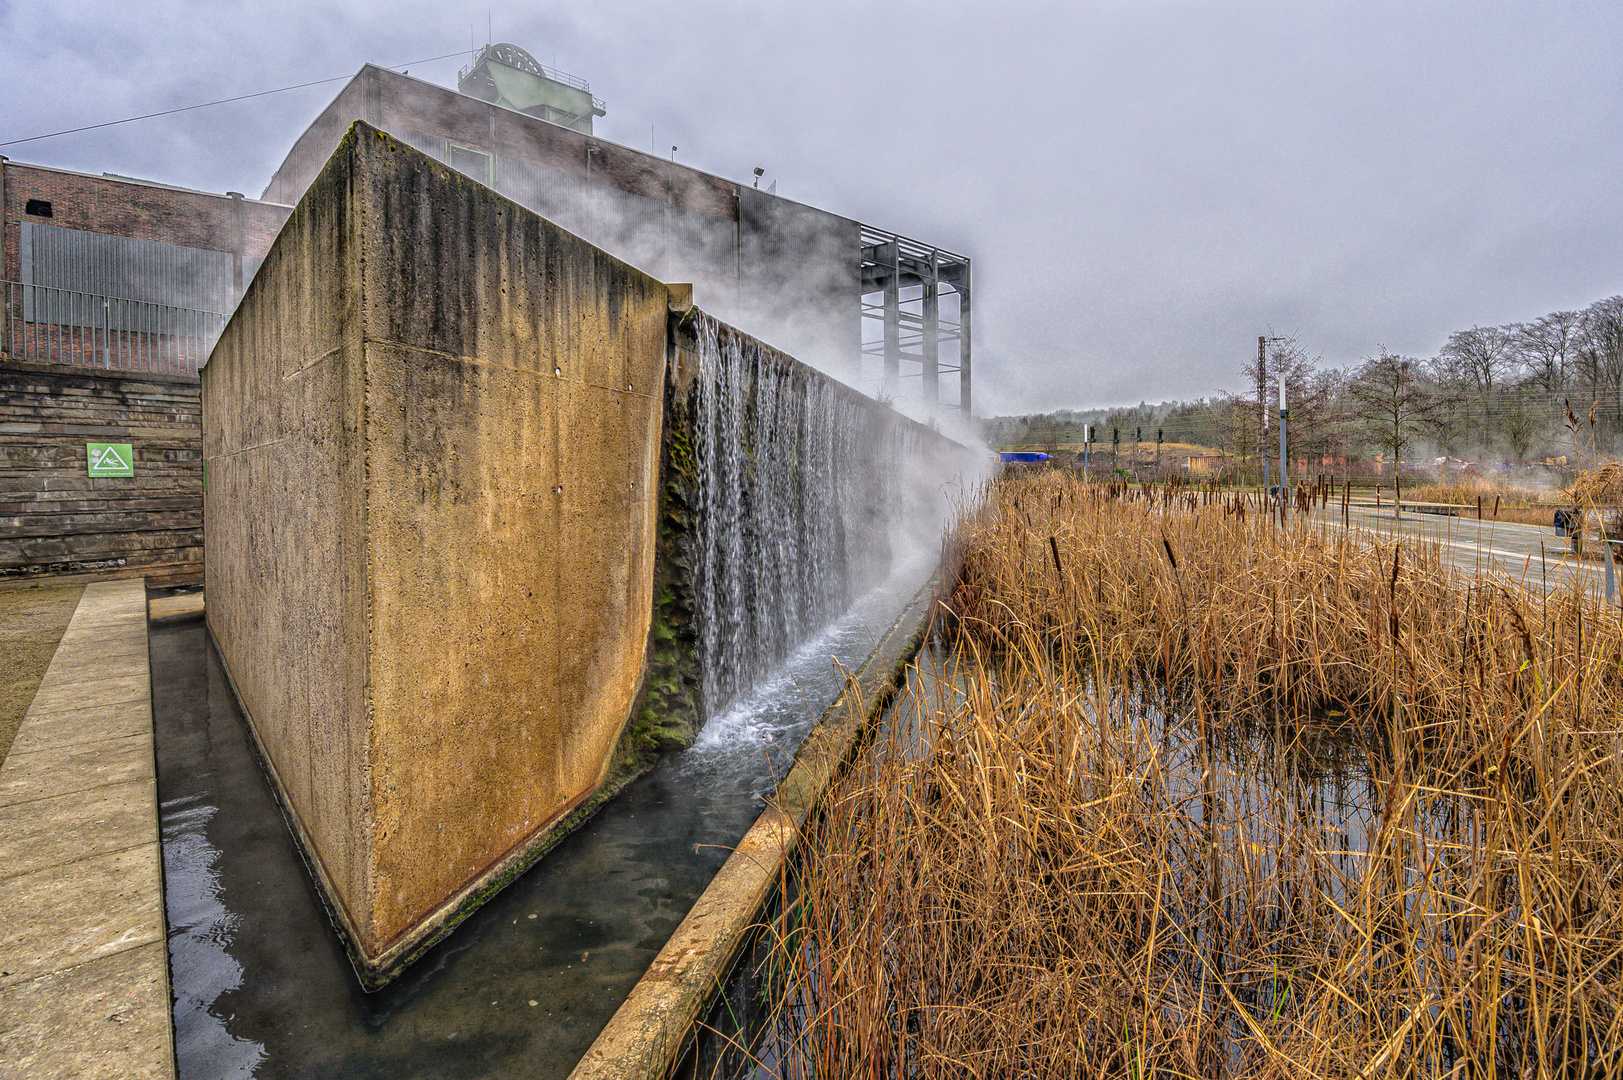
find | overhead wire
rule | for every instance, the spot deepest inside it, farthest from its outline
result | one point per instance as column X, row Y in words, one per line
column 222, row 101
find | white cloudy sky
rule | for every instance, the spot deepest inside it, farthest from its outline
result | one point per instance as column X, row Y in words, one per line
column 1145, row 186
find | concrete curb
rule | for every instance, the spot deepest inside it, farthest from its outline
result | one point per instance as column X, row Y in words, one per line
column 84, row 958
column 167, row 610
column 647, row 1035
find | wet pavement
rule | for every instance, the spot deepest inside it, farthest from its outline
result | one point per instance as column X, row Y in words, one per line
column 262, row 985
column 1531, row 554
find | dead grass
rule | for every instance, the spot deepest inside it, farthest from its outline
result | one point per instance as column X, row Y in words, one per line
column 1208, row 799
column 31, row 623
column 1466, row 492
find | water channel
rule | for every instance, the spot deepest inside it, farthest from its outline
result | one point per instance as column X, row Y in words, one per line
column 262, row 985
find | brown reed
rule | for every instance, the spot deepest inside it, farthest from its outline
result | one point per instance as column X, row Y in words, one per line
column 1194, row 796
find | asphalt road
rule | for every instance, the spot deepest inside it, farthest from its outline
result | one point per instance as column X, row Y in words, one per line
column 1532, row 555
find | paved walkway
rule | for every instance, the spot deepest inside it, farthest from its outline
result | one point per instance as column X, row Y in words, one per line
column 84, row 967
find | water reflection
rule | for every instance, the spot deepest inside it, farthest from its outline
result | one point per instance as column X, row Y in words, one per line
column 263, row 987
column 200, row 929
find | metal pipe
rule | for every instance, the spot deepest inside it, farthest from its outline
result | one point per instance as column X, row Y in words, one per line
column 964, row 384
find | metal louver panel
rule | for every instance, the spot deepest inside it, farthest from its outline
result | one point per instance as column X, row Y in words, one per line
column 115, row 266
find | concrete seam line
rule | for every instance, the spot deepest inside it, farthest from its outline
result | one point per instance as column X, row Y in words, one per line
column 648, row 1033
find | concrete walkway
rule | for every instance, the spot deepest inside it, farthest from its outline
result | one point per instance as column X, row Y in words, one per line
column 84, row 966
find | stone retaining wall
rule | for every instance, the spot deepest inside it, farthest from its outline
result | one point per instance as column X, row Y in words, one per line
column 55, row 518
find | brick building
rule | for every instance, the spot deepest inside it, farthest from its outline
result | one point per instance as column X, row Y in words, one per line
column 112, row 291
column 132, row 239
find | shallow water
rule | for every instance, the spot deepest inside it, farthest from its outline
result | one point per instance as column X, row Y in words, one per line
column 1322, row 774
column 262, row 985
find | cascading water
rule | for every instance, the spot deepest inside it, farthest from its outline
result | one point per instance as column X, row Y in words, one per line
column 800, row 484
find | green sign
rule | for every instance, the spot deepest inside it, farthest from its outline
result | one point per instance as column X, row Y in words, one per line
column 110, row 459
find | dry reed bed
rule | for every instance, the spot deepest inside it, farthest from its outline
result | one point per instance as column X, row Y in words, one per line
column 1307, row 617
column 1119, row 841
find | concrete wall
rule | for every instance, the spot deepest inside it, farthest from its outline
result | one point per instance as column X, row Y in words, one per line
column 56, row 519
column 433, row 431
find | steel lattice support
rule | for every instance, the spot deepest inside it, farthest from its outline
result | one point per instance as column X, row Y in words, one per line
column 911, row 280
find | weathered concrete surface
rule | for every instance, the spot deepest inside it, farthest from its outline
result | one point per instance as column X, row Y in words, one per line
column 432, row 434
column 648, row 1033
column 84, row 977
column 167, row 609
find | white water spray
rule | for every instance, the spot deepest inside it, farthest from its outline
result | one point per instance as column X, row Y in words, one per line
column 804, row 487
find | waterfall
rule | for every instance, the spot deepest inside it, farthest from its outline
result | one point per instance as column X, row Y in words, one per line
column 800, row 483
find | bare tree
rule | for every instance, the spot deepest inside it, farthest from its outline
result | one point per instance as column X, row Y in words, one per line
column 1480, row 354
column 1318, row 420
column 1600, row 359
column 1310, row 391
column 1236, row 424
column 1392, row 399
column 1475, row 360
column 1446, row 422
column 1519, row 421
column 1546, row 347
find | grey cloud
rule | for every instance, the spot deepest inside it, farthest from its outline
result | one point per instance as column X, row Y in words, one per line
column 1144, row 187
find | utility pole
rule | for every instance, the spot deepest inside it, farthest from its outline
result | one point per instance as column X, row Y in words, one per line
column 1138, row 440
column 1158, row 451
column 1115, row 443
column 1087, row 447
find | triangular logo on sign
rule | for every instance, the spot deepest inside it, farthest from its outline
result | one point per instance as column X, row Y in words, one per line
column 107, row 458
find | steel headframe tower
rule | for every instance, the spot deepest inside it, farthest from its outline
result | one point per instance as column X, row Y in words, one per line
column 911, row 279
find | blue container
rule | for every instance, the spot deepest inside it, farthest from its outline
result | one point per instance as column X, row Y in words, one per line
column 1026, row 457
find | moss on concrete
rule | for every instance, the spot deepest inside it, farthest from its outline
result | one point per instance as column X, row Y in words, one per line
column 666, row 715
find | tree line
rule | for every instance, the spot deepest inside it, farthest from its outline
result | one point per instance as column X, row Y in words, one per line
column 1490, row 394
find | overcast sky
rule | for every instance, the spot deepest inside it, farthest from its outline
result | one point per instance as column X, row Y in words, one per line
column 1144, row 187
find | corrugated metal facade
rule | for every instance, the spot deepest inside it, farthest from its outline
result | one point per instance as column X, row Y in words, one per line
column 115, row 266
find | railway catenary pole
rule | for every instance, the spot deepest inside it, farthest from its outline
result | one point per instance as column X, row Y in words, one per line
column 1284, row 473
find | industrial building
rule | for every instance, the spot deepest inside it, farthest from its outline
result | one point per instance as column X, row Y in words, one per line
column 129, row 282
column 869, row 306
